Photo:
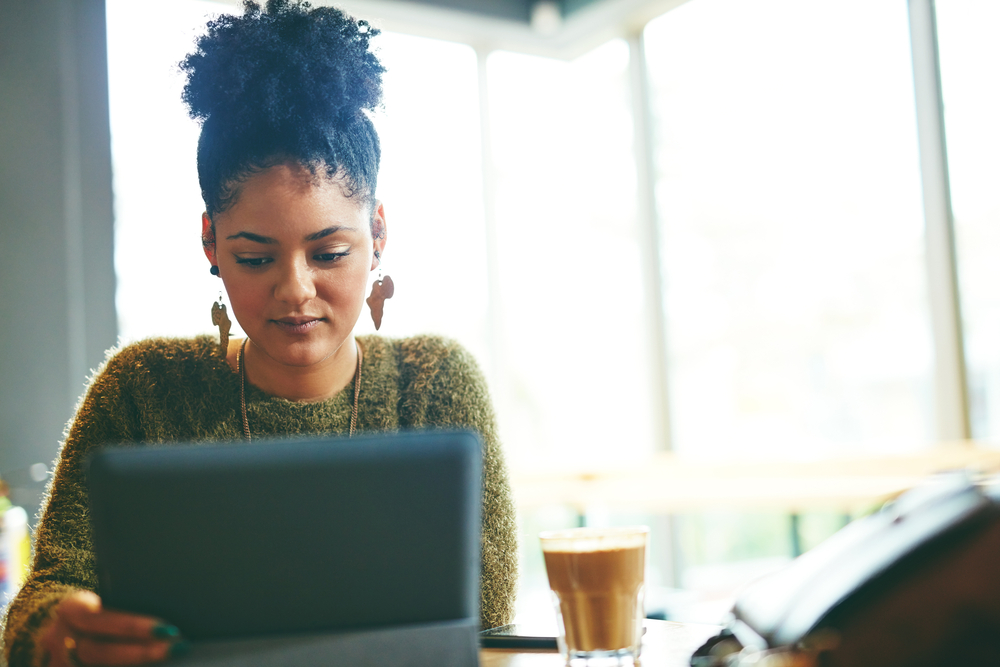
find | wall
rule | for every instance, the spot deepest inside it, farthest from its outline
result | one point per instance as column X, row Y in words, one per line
column 56, row 225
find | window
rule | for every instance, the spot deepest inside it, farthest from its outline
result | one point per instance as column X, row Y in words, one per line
column 570, row 281
column 164, row 288
column 788, row 192
column 789, row 201
column 970, row 69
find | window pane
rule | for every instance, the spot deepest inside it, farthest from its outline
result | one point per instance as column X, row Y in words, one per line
column 789, row 199
column 970, row 70
column 431, row 184
column 577, row 375
column 164, row 288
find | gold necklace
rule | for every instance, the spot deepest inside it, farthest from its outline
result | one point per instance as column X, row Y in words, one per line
column 241, row 367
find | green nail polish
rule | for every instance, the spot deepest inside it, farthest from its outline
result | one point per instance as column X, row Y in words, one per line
column 183, row 647
column 164, row 631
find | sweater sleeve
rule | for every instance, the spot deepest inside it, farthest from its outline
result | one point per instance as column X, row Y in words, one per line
column 451, row 391
column 64, row 557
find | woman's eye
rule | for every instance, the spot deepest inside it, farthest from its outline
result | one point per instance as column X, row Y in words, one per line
column 329, row 256
column 253, row 261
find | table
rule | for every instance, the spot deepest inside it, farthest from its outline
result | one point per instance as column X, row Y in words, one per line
column 666, row 644
column 669, row 483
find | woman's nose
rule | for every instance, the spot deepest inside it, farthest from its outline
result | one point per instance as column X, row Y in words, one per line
column 295, row 284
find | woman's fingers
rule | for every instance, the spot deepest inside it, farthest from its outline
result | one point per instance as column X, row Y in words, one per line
column 82, row 632
column 97, row 651
column 84, row 614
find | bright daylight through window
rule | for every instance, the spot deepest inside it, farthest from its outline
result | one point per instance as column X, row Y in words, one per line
column 789, row 198
column 970, row 68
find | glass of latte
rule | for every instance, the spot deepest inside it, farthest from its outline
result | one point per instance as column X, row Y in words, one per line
column 596, row 576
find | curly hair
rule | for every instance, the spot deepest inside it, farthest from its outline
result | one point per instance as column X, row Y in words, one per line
column 291, row 82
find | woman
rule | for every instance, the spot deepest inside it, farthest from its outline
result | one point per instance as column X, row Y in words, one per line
column 288, row 162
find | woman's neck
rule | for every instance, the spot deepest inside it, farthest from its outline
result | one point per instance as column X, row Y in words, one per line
column 307, row 384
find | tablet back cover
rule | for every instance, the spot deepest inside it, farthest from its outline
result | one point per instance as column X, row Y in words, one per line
column 292, row 536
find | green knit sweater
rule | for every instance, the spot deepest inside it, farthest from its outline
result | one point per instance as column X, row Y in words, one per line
column 167, row 390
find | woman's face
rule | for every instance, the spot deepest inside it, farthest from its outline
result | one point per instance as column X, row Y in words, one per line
column 295, row 254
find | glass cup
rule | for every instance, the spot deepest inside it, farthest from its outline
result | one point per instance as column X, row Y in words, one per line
column 597, row 581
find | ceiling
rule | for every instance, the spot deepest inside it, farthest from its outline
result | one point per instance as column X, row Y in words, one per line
column 510, row 10
column 561, row 28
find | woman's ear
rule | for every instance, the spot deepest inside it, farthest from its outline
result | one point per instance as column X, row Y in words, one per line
column 208, row 239
column 378, row 233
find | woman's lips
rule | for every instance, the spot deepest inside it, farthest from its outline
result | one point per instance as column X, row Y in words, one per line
column 297, row 325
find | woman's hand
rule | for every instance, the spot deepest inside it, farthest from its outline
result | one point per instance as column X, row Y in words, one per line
column 83, row 633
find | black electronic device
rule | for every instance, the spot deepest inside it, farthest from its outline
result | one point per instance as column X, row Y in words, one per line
column 914, row 583
column 515, row 636
column 296, row 543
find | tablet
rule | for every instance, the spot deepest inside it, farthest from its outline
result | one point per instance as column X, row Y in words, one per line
column 293, row 536
column 515, row 636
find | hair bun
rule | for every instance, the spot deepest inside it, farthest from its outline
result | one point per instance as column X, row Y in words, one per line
column 275, row 69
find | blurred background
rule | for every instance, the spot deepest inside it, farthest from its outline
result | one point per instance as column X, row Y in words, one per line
column 730, row 266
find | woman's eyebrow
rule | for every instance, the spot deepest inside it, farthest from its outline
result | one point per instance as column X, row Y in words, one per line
column 329, row 230
column 256, row 238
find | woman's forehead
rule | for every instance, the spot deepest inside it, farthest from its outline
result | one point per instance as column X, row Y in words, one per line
column 302, row 180
column 293, row 186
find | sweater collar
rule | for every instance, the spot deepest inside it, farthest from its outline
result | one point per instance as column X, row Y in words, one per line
column 378, row 399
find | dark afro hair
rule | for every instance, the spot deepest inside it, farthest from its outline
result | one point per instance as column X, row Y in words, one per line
column 290, row 83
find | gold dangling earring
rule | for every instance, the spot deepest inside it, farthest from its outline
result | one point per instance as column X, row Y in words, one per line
column 382, row 289
column 220, row 318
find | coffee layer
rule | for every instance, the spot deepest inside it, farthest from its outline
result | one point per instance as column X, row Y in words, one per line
column 598, row 595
